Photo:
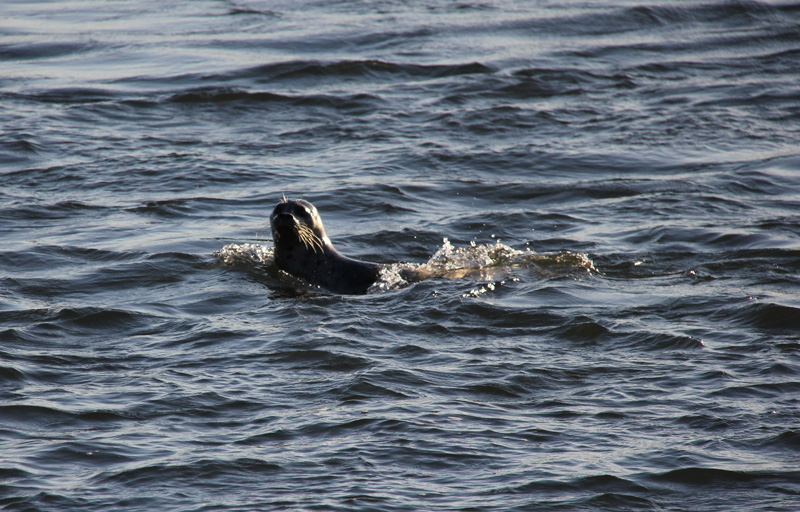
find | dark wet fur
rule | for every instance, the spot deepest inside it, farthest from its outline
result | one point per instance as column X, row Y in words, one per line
column 303, row 250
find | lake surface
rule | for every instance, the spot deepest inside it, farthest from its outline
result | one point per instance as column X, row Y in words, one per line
column 643, row 158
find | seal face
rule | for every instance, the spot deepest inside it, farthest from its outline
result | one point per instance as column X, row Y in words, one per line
column 303, row 250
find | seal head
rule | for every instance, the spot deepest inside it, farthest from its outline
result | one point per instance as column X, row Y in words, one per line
column 303, row 250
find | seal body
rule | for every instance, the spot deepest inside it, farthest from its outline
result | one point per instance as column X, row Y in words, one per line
column 303, row 250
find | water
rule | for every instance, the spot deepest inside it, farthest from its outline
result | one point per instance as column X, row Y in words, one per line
column 644, row 355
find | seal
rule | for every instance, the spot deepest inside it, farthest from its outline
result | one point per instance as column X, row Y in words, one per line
column 303, row 250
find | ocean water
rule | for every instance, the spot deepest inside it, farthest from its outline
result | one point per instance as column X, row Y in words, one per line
column 613, row 188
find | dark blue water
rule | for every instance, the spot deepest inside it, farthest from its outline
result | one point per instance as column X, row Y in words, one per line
column 640, row 350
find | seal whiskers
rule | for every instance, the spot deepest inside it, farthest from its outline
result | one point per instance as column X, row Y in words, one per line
column 309, row 239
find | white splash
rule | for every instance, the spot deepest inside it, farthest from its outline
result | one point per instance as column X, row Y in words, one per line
column 448, row 258
column 245, row 254
column 480, row 261
column 393, row 277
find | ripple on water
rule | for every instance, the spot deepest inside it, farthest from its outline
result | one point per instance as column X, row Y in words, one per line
column 642, row 355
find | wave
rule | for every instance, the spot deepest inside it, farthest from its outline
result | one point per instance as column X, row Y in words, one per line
column 66, row 95
column 215, row 95
column 771, row 316
column 340, row 69
column 30, row 51
column 697, row 476
column 189, row 473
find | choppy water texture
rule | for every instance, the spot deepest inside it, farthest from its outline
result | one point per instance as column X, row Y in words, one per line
column 643, row 157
